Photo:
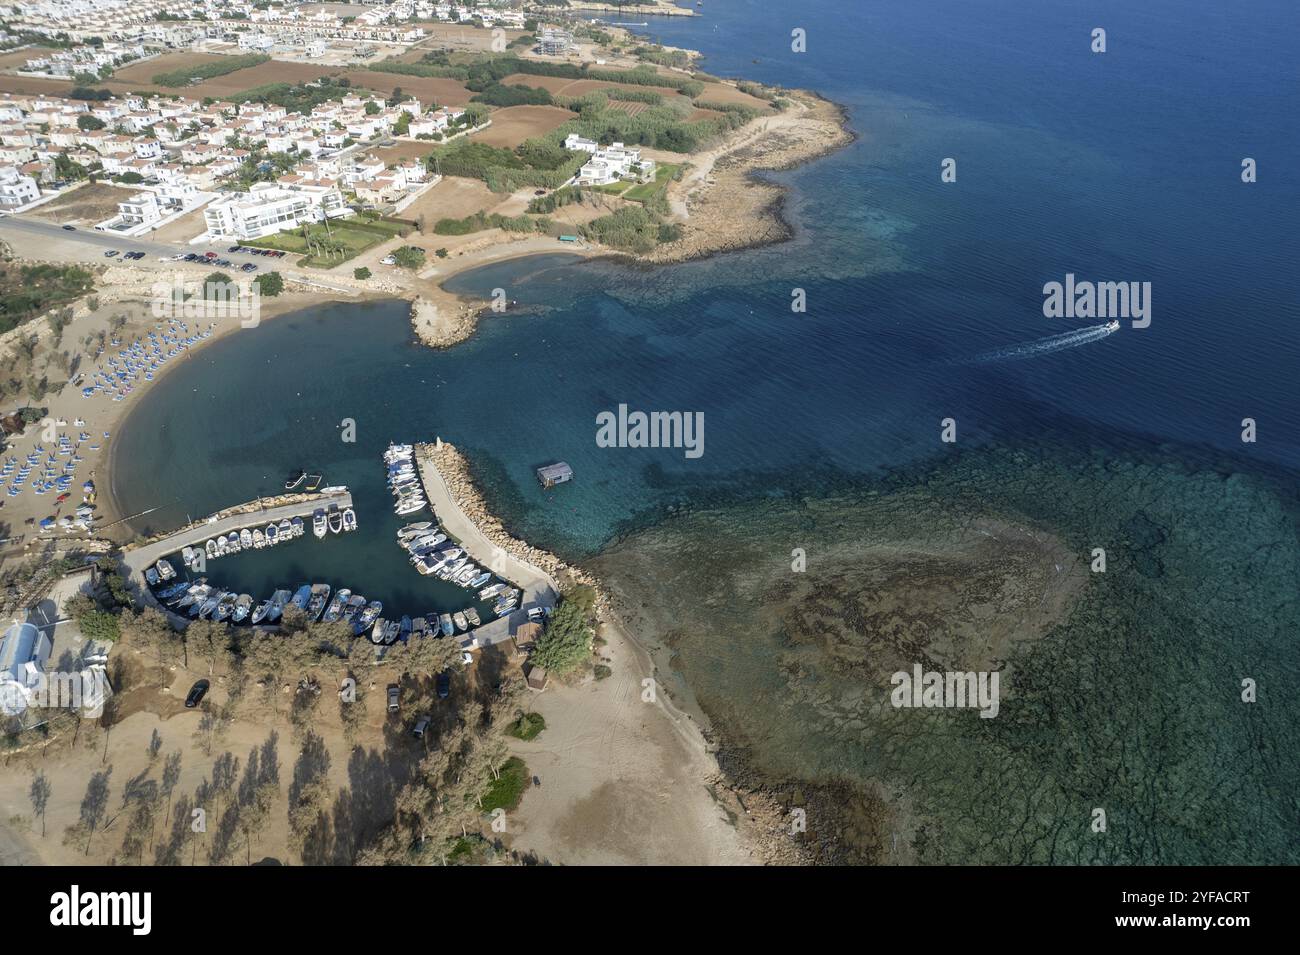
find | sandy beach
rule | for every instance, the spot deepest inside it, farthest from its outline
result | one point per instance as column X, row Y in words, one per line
column 624, row 776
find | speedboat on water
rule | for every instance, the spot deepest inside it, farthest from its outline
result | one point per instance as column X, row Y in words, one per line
column 1112, row 326
column 210, row 605
column 165, row 570
column 480, row 580
column 247, row 540
column 471, row 616
column 447, row 625
column 272, row 534
column 335, row 520
column 318, row 522
column 243, row 607
column 458, row 618
column 210, row 548
column 487, row 593
column 297, row 526
column 349, row 519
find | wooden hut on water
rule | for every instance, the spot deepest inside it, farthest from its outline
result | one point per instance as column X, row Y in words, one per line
column 553, row 474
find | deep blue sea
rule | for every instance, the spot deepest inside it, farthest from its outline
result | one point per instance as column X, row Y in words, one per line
column 1120, row 166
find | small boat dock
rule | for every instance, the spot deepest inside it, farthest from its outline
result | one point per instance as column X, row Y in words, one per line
column 252, row 514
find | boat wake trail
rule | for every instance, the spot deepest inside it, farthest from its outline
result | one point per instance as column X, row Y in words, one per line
column 1045, row 346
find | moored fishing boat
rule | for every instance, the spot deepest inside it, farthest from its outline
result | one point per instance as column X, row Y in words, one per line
column 320, row 595
column 225, row 607
column 297, row 526
column 279, row 600
column 336, row 605
column 302, row 597
column 356, row 603
column 262, row 612
column 366, row 619
column 209, row 606
column 243, row 607
column 458, row 618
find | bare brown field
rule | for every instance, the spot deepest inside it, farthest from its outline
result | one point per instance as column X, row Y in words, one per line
column 722, row 93
column 428, row 89
column 454, row 198
column 85, row 206
column 698, row 114
column 457, row 36
column 272, row 71
column 402, row 150
column 33, row 86
column 16, row 59
column 145, row 71
column 559, row 86
column 512, row 125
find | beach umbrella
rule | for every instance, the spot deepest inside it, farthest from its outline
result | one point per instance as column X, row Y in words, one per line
column 47, row 522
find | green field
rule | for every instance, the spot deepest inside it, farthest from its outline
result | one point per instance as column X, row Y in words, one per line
column 664, row 174
column 344, row 240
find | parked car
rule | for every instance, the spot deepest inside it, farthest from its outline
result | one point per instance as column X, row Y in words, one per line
column 233, row 248
column 69, row 228
column 421, row 725
column 209, row 255
column 196, row 694
column 249, row 267
column 110, row 253
column 444, row 685
column 387, row 260
column 393, row 692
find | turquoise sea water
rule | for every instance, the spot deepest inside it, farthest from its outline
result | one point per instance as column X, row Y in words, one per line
column 1122, row 166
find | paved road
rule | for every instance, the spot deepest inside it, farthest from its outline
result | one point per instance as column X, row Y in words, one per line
column 87, row 245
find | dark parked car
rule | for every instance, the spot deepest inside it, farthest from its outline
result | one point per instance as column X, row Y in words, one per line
column 197, row 692
column 444, row 685
column 392, row 698
column 233, row 248
column 69, row 228
column 421, row 725
column 248, row 267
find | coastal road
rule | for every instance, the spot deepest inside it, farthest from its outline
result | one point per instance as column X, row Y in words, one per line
column 37, row 239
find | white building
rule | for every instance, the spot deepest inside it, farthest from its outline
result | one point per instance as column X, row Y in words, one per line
column 23, row 654
column 16, row 189
column 612, row 163
column 268, row 208
column 576, row 143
